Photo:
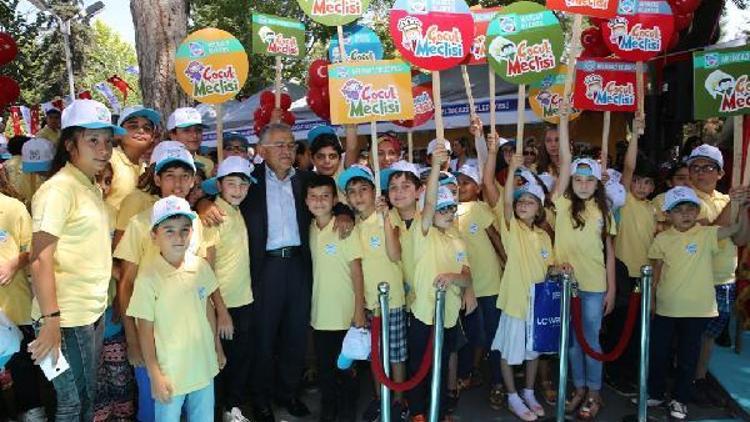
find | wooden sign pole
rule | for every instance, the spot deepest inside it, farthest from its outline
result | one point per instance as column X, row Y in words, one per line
column 439, row 128
column 410, row 144
column 521, row 115
column 219, row 133
column 605, row 139
column 277, row 83
column 493, row 118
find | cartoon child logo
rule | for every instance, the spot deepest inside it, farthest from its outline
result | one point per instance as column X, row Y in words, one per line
column 473, row 228
column 477, row 48
column 330, row 249
column 503, row 49
column 411, row 32
column 196, row 49
column 594, row 83
column 460, row 256
column 691, row 248
column 375, row 242
column 266, row 35
column 619, row 28
column 194, row 71
column 352, row 89
column 102, row 114
column 544, row 98
column 719, row 84
column 507, row 24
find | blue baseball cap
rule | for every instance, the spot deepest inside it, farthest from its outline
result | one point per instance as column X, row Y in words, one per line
column 320, row 130
column 352, row 172
column 139, row 111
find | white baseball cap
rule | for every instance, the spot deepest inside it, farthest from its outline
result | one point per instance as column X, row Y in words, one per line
column 37, row 155
column 579, row 167
column 548, row 180
column 679, row 195
column 356, row 346
column 166, row 152
column 401, row 165
column 709, row 152
column 89, row 114
column 470, row 171
column 445, row 198
column 139, row 111
column 168, row 207
column 616, row 194
column 532, row 188
column 434, row 143
column 235, row 164
column 184, row 117
column 614, row 175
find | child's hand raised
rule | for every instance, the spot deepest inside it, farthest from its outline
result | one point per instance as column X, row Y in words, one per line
column 381, row 206
column 475, row 128
column 492, row 141
column 516, row 162
column 161, row 388
column 440, row 155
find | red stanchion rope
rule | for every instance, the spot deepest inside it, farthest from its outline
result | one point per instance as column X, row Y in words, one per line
column 633, row 307
column 377, row 365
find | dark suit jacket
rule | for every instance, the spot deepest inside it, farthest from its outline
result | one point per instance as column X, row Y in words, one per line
column 255, row 212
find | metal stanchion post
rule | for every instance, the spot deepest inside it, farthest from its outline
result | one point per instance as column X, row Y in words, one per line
column 385, row 394
column 437, row 352
column 645, row 286
column 564, row 340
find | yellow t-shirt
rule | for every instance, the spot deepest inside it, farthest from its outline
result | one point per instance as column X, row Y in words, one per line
column 439, row 252
column 530, row 253
column 635, row 234
column 408, row 254
column 26, row 184
column 15, row 238
column 232, row 262
column 50, row 135
column 686, row 287
column 125, row 176
column 376, row 265
column 134, row 203
column 658, row 202
column 582, row 247
column 474, row 218
column 205, row 163
column 725, row 261
column 70, row 207
column 333, row 292
column 136, row 243
column 174, row 299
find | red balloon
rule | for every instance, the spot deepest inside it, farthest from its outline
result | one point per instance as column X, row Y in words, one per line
column 682, row 21
column 286, row 101
column 684, row 6
column 288, row 118
column 267, row 99
column 325, row 95
column 319, row 73
column 591, row 36
column 263, row 114
column 9, row 91
column 258, row 127
column 674, row 42
column 8, row 48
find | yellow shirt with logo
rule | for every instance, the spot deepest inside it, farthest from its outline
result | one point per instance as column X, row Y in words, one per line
column 70, row 207
column 125, row 176
column 232, row 262
column 15, row 239
column 530, row 253
column 407, row 236
column 205, row 163
column 174, row 299
column 658, row 203
column 134, row 203
column 725, row 261
column 474, row 218
column 686, row 286
column 439, row 252
column 635, row 233
column 136, row 243
column 582, row 247
column 376, row 265
column 333, row 292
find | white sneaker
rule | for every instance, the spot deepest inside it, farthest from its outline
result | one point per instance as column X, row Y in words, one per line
column 36, row 414
column 519, row 409
column 532, row 403
column 678, row 410
column 649, row 402
column 235, row 415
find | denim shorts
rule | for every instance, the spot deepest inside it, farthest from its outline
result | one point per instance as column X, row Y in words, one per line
column 725, row 296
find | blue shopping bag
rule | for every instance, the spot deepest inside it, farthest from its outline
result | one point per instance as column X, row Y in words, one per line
column 543, row 322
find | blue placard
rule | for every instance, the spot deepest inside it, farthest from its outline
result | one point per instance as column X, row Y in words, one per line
column 360, row 42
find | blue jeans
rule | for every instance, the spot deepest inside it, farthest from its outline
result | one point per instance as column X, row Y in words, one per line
column 76, row 387
column 587, row 371
column 199, row 406
column 145, row 399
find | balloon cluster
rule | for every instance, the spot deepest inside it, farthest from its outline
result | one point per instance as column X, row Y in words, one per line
column 317, row 96
column 593, row 41
column 9, row 89
column 267, row 104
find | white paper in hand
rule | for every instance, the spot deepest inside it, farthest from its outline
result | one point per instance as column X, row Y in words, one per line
column 51, row 371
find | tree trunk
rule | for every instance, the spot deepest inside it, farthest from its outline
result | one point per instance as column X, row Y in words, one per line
column 160, row 27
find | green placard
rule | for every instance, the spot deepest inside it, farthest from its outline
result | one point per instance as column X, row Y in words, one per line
column 721, row 82
column 275, row 36
column 524, row 42
column 334, row 12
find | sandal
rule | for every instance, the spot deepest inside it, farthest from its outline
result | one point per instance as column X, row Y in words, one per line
column 575, row 401
column 549, row 392
column 497, row 397
column 590, row 409
column 519, row 409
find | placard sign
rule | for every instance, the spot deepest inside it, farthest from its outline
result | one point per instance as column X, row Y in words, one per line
column 721, row 82
column 605, row 85
column 211, row 65
column 546, row 97
column 525, row 42
column 482, row 19
column 595, row 8
column 334, row 12
column 640, row 31
column 275, row 36
column 424, row 107
column 370, row 91
column 360, row 43
column 432, row 34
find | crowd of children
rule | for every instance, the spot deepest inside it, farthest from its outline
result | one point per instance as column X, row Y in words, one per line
column 145, row 313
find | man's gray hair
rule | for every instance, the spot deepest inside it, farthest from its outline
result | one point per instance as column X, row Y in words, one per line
column 270, row 128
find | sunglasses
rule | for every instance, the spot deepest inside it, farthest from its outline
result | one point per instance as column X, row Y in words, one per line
column 529, row 153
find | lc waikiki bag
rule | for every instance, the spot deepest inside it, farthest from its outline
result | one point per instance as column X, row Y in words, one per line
column 543, row 322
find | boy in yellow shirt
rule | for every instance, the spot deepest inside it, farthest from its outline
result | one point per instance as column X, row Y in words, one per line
column 338, row 299
column 684, row 296
column 185, row 125
column 381, row 256
column 176, row 322
column 441, row 263
column 230, row 258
